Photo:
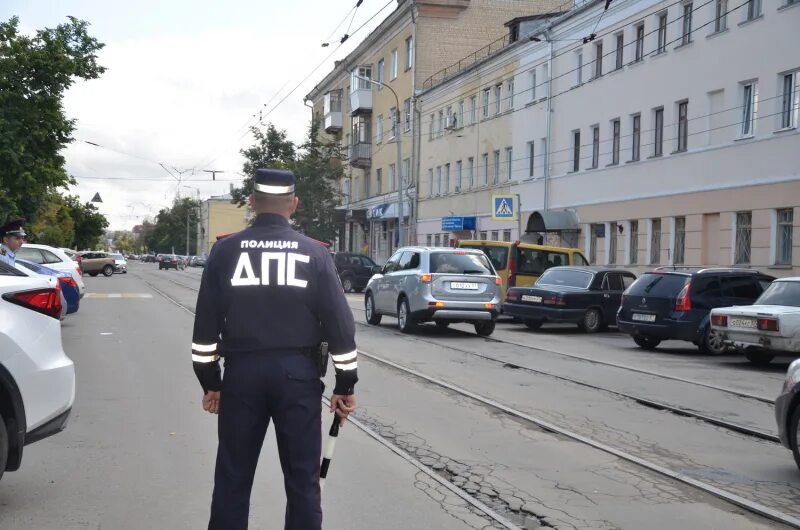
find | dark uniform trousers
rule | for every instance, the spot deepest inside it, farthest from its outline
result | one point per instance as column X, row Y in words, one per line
column 283, row 386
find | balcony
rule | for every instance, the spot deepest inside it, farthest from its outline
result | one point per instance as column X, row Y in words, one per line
column 333, row 121
column 360, row 155
column 361, row 100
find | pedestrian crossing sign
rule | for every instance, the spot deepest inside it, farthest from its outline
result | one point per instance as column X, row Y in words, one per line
column 504, row 207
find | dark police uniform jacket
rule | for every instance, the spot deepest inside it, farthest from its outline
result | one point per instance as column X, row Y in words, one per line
column 270, row 288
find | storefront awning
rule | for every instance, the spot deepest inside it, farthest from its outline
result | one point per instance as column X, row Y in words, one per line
column 552, row 221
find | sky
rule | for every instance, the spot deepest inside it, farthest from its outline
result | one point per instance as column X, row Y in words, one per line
column 183, row 82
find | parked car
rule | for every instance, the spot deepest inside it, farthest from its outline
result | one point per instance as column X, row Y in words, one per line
column 37, row 379
column 69, row 288
column 95, row 262
column 586, row 296
column 54, row 258
column 171, row 261
column 676, row 304
column 768, row 327
column 520, row 264
column 197, row 261
column 354, row 270
column 787, row 411
column 442, row 285
column 120, row 263
column 73, row 255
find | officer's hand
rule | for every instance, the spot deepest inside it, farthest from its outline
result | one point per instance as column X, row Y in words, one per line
column 343, row 405
column 211, row 402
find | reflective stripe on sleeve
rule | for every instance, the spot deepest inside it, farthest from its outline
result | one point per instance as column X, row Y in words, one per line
column 342, row 357
column 205, row 358
column 346, row 367
column 204, row 348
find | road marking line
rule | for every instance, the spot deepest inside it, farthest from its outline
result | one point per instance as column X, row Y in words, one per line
column 104, row 296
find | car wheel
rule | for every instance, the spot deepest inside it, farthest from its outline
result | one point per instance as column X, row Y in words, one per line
column 404, row 319
column 533, row 324
column 3, row 446
column 369, row 308
column 442, row 324
column 712, row 343
column 347, row 284
column 93, row 274
column 592, row 321
column 645, row 342
column 108, row 270
column 759, row 358
column 484, row 328
column 794, row 435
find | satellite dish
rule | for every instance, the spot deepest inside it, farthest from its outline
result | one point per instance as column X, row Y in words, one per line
column 97, row 198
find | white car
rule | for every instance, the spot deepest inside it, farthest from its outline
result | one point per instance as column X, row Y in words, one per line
column 52, row 282
column 55, row 258
column 120, row 263
column 37, row 379
column 768, row 327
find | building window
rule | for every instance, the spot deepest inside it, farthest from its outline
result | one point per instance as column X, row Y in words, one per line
column 498, row 98
column 612, row 243
column 662, row 33
column 679, row 253
column 639, row 54
column 448, row 124
column 686, row 27
column 409, row 53
column 598, row 59
column 379, row 129
column 392, row 122
column 405, row 172
column 595, row 146
column 495, row 235
column 471, row 172
column 619, row 53
column 392, row 182
column 510, row 90
column 394, row 64
column 753, row 9
column 438, row 180
column 615, row 126
column 496, row 173
column 636, row 137
column 683, row 126
column 458, row 176
column 367, row 185
column 437, row 240
column 658, row 132
column 720, row 15
column 576, row 150
column 486, row 93
column 532, row 74
column 483, row 235
column 579, row 67
column 379, row 181
column 506, row 235
column 485, row 169
column 509, row 162
column 407, row 115
column 381, row 73
column 531, row 159
column 446, row 179
column 429, row 240
column 432, row 127
column 783, row 254
column 634, row 242
column 430, row 182
column 593, row 242
column 789, row 101
column 749, row 102
column 655, row 241
column 473, row 112
column 744, row 223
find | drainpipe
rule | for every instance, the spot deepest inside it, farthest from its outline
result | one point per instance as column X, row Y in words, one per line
column 413, row 164
column 549, row 122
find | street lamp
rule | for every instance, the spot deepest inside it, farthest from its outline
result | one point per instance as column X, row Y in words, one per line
column 400, row 234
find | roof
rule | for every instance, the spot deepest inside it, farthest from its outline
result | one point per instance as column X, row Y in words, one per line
column 589, row 268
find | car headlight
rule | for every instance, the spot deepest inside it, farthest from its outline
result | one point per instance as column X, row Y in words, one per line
column 792, row 376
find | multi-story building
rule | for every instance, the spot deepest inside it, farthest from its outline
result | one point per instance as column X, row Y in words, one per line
column 360, row 100
column 219, row 216
column 648, row 134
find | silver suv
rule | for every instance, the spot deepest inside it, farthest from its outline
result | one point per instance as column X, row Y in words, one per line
column 443, row 285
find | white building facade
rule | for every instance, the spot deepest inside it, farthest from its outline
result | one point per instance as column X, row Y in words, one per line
column 672, row 135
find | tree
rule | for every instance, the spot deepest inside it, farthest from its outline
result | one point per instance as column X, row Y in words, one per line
column 90, row 224
column 169, row 231
column 54, row 226
column 271, row 150
column 34, row 74
column 124, row 242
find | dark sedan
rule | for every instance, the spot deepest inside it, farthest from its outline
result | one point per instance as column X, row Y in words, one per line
column 586, row 296
column 787, row 411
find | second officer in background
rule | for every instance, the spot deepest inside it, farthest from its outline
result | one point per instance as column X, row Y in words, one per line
column 268, row 297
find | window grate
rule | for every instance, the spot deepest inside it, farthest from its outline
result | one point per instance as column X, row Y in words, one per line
column 785, row 234
column 655, row 242
column 634, row 242
column 680, row 241
column 612, row 244
column 744, row 222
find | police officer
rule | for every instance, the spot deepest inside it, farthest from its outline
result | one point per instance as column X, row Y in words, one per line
column 268, row 297
column 13, row 236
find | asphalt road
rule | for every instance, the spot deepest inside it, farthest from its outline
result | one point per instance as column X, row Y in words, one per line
column 139, row 451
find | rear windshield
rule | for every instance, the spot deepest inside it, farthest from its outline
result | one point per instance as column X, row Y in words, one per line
column 497, row 255
column 658, row 285
column 452, row 263
column 781, row 293
column 534, row 261
column 569, row 278
column 117, row 256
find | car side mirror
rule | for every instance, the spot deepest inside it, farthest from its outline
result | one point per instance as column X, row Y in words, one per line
column 377, row 269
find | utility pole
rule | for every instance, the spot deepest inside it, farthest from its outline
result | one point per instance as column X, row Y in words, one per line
column 213, row 173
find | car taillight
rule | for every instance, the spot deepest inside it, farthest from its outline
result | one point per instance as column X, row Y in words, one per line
column 68, row 280
column 768, row 324
column 719, row 320
column 512, row 295
column 555, row 299
column 45, row 301
column 684, row 303
column 498, row 280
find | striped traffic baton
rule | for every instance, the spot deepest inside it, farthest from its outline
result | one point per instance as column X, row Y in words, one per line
column 327, row 455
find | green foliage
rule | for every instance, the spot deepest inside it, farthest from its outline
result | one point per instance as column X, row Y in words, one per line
column 90, row 224
column 34, row 74
column 125, row 242
column 63, row 221
column 169, row 231
column 271, row 150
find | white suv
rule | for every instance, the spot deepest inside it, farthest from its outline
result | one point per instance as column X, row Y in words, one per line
column 37, row 379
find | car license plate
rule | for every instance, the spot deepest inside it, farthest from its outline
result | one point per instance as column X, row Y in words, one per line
column 530, row 298
column 464, row 285
column 742, row 323
column 644, row 318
